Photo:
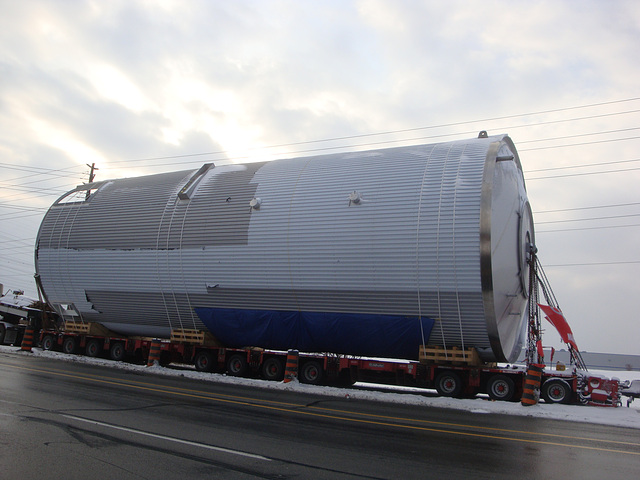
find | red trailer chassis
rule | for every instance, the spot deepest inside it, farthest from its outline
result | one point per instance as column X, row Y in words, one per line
column 501, row 383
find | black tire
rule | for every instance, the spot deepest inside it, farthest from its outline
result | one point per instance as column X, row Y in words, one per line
column 556, row 390
column 237, row 365
column 69, row 345
column 20, row 337
column 344, row 379
column 3, row 331
column 117, row 352
column 165, row 358
column 93, row 348
column 311, row 372
column 449, row 384
column 273, row 369
column 48, row 342
column 204, row 361
column 501, row 388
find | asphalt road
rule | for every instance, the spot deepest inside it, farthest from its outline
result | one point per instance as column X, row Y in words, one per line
column 65, row 420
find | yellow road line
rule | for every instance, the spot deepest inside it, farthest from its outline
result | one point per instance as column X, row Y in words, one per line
column 256, row 401
column 478, row 427
column 304, row 410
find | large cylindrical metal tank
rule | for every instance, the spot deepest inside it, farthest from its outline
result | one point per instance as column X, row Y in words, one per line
column 369, row 253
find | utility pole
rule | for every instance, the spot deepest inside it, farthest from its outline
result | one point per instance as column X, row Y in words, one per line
column 92, row 175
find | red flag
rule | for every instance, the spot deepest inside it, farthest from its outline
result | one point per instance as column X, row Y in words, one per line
column 555, row 316
column 540, row 349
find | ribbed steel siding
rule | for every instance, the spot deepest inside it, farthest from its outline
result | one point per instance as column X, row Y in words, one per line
column 449, row 244
column 99, row 245
column 136, row 255
column 415, row 232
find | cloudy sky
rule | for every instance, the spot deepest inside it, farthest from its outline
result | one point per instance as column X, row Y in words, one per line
column 140, row 87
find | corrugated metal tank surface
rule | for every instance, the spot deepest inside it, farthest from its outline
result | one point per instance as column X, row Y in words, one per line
column 368, row 253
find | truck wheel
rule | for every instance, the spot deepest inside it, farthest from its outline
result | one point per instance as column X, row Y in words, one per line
column 344, row 379
column 48, row 342
column 204, row 361
column 448, row 384
column 237, row 365
column 556, row 390
column 501, row 388
column 311, row 372
column 273, row 369
column 69, row 345
column 93, row 348
column 165, row 358
column 117, row 352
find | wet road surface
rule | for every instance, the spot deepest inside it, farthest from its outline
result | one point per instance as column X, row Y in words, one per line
column 66, row 420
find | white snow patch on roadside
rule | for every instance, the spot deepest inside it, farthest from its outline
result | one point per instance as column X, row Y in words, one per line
column 623, row 416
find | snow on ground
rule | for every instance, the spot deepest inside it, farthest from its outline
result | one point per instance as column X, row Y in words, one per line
column 623, row 416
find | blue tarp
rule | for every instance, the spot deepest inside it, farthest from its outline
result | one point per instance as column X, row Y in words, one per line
column 390, row 336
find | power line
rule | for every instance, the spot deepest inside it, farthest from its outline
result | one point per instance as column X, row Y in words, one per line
column 589, row 219
column 54, row 191
column 631, row 262
column 579, row 144
column 606, row 132
column 35, row 170
column 390, row 132
column 14, row 238
column 47, row 191
column 323, row 149
column 25, row 246
column 21, row 208
column 583, row 174
column 582, row 166
column 31, row 197
column 587, row 228
column 17, row 247
column 77, row 177
column 33, row 193
column 585, row 208
column 14, row 261
column 575, row 119
column 19, row 242
column 51, row 172
column 9, row 216
column 12, row 181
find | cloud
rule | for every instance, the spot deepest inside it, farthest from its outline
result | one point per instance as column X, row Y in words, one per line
column 121, row 81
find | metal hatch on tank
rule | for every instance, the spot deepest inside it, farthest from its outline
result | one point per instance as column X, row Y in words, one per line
column 365, row 253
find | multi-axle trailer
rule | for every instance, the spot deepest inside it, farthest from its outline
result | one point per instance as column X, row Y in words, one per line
column 453, row 373
column 423, row 253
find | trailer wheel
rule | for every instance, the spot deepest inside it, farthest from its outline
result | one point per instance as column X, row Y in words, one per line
column 48, row 342
column 117, row 351
column 204, row 361
column 501, row 388
column 449, row 384
column 237, row 365
column 69, row 345
column 93, row 348
column 556, row 390
column 311, row 372
column 345, row 379
column 273, row 369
